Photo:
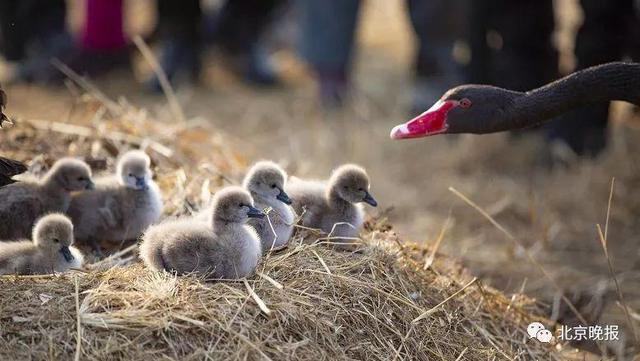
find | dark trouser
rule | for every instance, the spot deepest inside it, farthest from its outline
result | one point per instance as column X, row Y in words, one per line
column 437, row 24
column 328, row 32
column 237, row 28
column 25, row 21
column 240, row 23
column 511, row 43
column 610, row 31
column 327, row 40
column 179, row 25
column 33, row 43
column 180, row 17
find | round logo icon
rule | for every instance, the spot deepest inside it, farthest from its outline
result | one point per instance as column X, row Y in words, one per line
column 534, row 328
column 544, row 336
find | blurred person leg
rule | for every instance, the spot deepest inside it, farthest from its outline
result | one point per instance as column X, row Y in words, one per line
column 524, row 56
column 103, row 29
column 634, row 46
column 511, row 44
column 605, row 35
column 520, row 39
column 239, row 27
column 179, row 27
column 32, row 45
column 13, row 39
column 477, row 71
column 103, row 44
column 326, row 43
column 437, row 24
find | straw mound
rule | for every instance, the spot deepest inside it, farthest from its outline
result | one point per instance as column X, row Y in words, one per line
column 307, row 302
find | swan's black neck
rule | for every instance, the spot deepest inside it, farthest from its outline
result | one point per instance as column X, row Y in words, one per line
column 612, row 81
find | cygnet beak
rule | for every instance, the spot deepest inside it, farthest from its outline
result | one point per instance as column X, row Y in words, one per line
column 141, row 183
column 283, row 197
column 255, row 213
column 66, row 253
column 369, row 200
column 90, row 185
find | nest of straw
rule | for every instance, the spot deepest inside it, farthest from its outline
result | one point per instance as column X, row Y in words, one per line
column 384, row 299
column 309, row 302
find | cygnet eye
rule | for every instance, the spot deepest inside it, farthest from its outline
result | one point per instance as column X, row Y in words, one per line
column 56, row 240
column 360, row 189
column 80, row 179
column 240, row 205
column 130, row 174
column 273, row 185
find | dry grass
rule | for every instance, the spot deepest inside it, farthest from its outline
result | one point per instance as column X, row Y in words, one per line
column 361, row 306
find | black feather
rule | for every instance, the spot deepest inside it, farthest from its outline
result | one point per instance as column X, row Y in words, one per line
column 4, row 180
column 10, row 167
column 3, row 98
column 3, row 104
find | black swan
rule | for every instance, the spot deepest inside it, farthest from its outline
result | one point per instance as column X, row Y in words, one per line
column 8, row 167
column 481, row 109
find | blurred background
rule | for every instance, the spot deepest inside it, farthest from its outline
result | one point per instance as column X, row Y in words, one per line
column 316, row 83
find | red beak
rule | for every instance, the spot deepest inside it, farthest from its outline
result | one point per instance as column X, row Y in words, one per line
column 431, row 122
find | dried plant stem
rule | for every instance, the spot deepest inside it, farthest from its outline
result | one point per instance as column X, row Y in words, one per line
column 517, row 242
column 87, row 86
column 275, row 283
column 254, row 295
column 148, row 55
column 78, row 130
column 115, row 256
column 326, row 268
column 433, row 309
column 78, row 323
column 604, row 243
column 429, row 261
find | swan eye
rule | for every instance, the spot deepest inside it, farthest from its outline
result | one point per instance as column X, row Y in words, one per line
column 81, row 179
column 273, row 186
column 240, row 205
column 361, row 189
column 465, row 103
column 56, row 240
column 130, row 174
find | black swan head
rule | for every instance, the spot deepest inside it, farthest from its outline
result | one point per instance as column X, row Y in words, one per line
column 481, row 109
column 463, row 109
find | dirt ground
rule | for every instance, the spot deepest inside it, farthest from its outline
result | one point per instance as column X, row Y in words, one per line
column 553, row 213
